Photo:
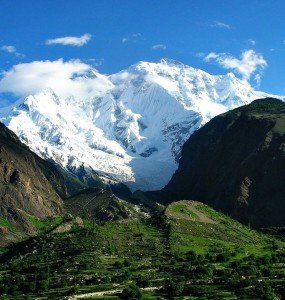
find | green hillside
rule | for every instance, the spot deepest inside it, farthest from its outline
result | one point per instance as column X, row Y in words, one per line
column 196, row 224
column 190, row 250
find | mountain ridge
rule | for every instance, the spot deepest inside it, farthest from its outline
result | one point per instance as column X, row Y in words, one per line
column 134, row 124
column 235, row 163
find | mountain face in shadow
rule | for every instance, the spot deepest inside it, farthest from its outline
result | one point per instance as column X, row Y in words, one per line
column 236, row 163
column 29, row 187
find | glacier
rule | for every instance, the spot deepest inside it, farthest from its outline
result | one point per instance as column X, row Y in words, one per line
column 132, row 127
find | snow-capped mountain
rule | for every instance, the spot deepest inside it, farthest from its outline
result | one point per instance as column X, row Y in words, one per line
column 132, row 127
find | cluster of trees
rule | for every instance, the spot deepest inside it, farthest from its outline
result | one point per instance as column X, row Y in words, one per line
column 21, row 279
column 189, row 274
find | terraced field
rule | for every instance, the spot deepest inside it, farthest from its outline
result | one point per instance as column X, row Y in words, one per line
column 191, row 250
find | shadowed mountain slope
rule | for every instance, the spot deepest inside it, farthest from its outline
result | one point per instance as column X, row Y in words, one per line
column 236, row 163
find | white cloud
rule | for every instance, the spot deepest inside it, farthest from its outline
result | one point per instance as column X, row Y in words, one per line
column 220, row 24
column 251, row 42
column 249, row 63
column 158, row 47
column 76, row 41
column 96, row 61
column 212, row 55
column 132, row 37
column 64, row 78
column 121, row 77
column 11, row 49
column 199, row 54
column 257, row 79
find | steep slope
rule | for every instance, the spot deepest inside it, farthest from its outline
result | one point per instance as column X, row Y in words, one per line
column 236, row 163
column 28, row 186
column 196, row 223
column 132, row 125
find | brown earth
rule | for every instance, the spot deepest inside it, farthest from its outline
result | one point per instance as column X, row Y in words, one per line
column 28, row 185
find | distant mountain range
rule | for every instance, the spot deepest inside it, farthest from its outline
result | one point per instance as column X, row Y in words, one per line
column 133, row 127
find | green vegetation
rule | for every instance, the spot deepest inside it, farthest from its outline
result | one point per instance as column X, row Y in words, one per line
column 6, row 224
column 261, row 106
column 191, row 250
column 3, row 250
column 182, row 210
column 209, row 230
column 132, row 291
column 43, row 225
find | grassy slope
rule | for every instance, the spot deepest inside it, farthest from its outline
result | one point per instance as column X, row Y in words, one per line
column 198, row 225
column 45, row 225
column 4, row 223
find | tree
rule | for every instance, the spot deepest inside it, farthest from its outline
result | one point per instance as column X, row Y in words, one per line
column 131, row 292
column 174, row 288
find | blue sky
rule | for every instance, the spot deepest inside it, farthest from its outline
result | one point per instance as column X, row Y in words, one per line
column 113, row 34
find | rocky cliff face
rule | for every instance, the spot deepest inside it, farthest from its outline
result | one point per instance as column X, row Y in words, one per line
column 28, row 186
column 236, row 163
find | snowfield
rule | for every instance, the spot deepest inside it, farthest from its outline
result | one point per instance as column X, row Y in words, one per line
column 131, row 129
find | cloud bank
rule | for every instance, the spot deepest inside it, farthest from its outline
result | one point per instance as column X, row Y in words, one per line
column 70, row 40
column 64, row 78
column 248, row 64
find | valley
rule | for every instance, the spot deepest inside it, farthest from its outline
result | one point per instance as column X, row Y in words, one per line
column 142, row 150
column 215, row 231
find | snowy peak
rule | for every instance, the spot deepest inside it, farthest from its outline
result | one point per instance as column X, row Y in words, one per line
column 190, row 88
column 128, row 126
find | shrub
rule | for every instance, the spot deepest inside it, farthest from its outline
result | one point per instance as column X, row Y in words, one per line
column 174, row 288
column 131, row 292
